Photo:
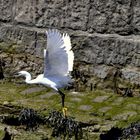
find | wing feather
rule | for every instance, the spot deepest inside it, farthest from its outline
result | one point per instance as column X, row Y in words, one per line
column 59, row 56
column 67, row 42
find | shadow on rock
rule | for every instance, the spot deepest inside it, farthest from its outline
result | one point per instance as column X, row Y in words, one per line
column 131, row 133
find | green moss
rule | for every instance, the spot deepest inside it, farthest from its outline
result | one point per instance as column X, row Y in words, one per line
column 1, row 134
column 46, row 100
column 8, row 48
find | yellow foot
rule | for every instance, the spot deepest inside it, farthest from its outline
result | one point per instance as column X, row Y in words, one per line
column 64, row 110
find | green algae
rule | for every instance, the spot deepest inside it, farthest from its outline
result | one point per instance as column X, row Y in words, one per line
column 45, row 100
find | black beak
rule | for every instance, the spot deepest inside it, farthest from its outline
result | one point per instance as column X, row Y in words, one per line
column 16, row 74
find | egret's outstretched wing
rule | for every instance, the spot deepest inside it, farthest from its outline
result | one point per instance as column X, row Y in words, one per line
column 67, row 43
column 59, row 56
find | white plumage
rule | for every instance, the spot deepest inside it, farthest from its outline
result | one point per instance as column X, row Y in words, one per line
column 58, row 63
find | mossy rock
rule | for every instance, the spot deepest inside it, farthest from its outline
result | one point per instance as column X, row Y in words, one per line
column 82, row 108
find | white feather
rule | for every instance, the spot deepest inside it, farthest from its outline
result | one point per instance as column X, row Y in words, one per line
column 58, row 62
column 59, row 56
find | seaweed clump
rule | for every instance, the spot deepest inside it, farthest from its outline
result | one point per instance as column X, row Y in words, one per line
column 64, row 126
column 132, row 131
column 30, row 118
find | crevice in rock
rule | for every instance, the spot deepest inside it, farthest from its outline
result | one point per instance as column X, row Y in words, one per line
column 2, row 64
column 11, row 120
column 131, row 132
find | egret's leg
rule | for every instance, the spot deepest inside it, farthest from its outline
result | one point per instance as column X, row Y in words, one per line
column 64, row 110
column 62, row 96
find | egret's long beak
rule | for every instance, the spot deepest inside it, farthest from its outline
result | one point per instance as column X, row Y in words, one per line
column 17, row 74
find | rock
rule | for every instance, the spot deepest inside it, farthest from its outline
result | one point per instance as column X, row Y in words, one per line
column 103, row 34
column 110, row 16
column 95, row 128
column 124, row 116
column 101, row 71
column 131, row 74
column 132, row 106
column 32, row 90
column 118, row 101
column 6, row 10
column 56, row 14
column 104, row 109
column 76, row 93
column 105, row 128
column 100, row 99
column 6, row 103
column 47, row 95
column 107, row 49
column 76, row 99
column 135, row 21
column 96, row 16
column 85, row 107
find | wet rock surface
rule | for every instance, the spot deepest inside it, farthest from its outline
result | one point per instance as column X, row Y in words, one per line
column 104, row 34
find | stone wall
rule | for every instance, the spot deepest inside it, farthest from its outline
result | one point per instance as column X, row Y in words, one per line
column 105, row 34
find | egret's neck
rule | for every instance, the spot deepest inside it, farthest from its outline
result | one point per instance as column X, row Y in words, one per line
column 28, row 78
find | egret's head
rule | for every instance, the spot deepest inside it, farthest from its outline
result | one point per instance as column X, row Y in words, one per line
column 23, row 73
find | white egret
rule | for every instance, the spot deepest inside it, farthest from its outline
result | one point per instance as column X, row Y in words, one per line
column 58, row 63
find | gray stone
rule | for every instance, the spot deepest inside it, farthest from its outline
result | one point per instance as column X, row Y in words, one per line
column 95, row 128
column 47, row 95
column 76, row 99
column 76, row 93
column 106, row 128
column 85, row 107
column 124, row 116
column 132, row 106
column 101, row 71
column 110, row 16
column 24, row 39
column 104, row 109
column 136, row 16
column 55, row 13
column 32, row 90
column 95, row 16
column 6, row 9
column 110, row 122
column 100, row 99
column 131, row 74
column 118, row 101
column 109, row 49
